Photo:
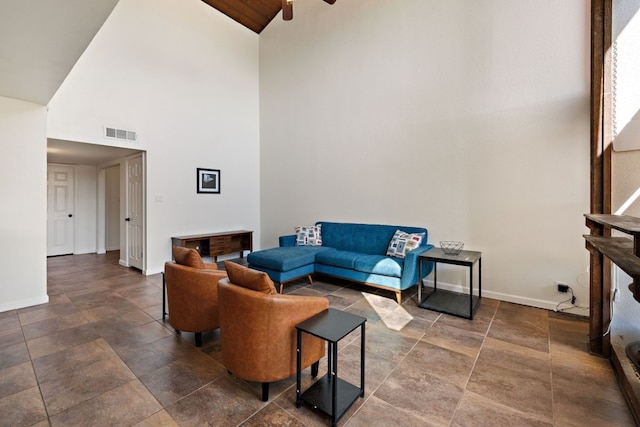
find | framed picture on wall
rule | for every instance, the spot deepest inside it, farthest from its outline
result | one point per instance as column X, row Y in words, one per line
column 208, row 180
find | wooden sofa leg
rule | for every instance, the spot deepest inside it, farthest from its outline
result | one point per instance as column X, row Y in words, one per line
column 265, row 392
column 198, row 339
column 399, row 297
column 310, row 279
column 314, row 369
column 281, row 287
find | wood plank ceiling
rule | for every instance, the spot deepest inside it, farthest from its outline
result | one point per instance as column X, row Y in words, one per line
column 253, row 14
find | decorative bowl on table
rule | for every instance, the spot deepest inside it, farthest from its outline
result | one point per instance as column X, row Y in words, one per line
column 450, row 247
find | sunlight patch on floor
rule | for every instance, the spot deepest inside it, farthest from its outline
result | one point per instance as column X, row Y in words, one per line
column 394, row 316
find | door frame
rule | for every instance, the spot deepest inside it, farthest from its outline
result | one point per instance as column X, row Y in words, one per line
column 101, row 219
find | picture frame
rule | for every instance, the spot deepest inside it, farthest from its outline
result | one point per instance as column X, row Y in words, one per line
column 208, row 181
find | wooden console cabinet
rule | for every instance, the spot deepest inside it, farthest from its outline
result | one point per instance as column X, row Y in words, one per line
column 215, row 244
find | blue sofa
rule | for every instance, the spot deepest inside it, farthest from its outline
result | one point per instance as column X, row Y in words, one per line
column 351, row 251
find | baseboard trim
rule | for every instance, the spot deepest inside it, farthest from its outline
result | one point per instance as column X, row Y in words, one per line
column 531, row 302
column 29, row 302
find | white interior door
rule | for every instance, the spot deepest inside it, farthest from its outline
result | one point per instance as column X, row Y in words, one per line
column 135, row 212
column 60, row 210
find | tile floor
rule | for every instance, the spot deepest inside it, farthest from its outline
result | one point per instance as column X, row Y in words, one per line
column 99, row 353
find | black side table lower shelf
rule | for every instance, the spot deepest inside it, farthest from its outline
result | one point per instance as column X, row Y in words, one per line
column 320, row 395
column 449, row 302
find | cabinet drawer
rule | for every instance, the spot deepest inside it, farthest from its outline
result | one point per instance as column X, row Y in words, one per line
column 220, row 245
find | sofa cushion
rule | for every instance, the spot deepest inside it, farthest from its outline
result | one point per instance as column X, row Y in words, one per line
column 187, row 256
column 250, row 279
column 344, row 259
column 403, row 242
column 309, row 235
column 285, row 258
column 379, row 264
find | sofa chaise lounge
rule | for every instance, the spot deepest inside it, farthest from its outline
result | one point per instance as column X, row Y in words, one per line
column 382, row 256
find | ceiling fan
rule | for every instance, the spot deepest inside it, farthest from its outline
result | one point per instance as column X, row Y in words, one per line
column 287, row 8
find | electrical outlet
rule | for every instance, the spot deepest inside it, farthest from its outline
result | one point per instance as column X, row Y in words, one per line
column 562, row 287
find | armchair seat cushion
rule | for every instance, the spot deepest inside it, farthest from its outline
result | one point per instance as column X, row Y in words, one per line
column 379, row 264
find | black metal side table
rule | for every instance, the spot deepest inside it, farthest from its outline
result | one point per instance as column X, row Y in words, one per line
column 330, row 394
column 454, row 303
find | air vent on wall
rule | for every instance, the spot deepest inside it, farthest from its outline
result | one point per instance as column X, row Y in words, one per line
column 125, row 135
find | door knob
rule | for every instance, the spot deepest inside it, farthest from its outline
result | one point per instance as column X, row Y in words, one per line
column 127, row 219
column 70, row 215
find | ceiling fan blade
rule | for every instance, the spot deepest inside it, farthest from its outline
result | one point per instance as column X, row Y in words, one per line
column 287, row 10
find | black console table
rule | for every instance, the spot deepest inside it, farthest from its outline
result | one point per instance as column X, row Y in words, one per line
column 330, row 394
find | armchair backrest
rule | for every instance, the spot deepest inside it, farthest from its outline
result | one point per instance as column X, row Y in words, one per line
column 258, row 335
column 192, row 293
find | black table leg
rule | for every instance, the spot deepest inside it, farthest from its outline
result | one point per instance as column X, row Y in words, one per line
column 298, row 366
column 164, row 298
column 362, row 360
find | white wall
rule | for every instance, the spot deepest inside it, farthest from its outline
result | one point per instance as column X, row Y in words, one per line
column 23, row 211
column 468, row 118
column 185, row 77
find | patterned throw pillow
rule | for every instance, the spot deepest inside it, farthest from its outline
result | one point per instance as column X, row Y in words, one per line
column 402, row 242
column 308, row 235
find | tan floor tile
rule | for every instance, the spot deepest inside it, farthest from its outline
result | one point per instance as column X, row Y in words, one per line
column 56, row 324
column 387, row 343
column 150, row 357
column 514, row 376
column 122, row 406
column 273, row 416
column 411, row 390
column 225, row 402
column 84, row 383
column 13, row 355
column 474, row 410
column 182, row 377
column 159, row 419
column 16, row 379
column 575, row 407
column 49, row 344
column 23, row 408
column 521, row 325
column 455, row 339
column 480, row 323
column 378, row 413
column 9, row 320
column 440, row 362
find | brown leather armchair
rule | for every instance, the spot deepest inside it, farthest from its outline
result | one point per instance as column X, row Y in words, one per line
column 192, row 292
column 257, row 328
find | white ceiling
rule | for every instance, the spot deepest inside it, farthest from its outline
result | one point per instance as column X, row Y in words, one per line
column 78, row 153
column 40, row 42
